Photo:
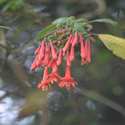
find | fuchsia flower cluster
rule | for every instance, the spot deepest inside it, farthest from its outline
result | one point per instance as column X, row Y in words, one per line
column 50, row 57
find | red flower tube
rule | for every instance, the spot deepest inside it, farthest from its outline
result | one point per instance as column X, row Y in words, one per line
column 53, row 51
column 72, row 53
column 67, row 81
column 75, row 39
column 59, row 59
column 67, row 44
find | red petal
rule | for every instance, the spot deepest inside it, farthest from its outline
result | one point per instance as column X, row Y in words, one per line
column 67, row 44
column 47, row 55
column 82, row 47
column 53, row 50
column 68, row 72
column 68, row 61
column 88, row 51
column 41, row 47
column 41, row 52
column 44, row 85
column 59, row 60
column 75, row 40
column 72, row 54
column 45, row 73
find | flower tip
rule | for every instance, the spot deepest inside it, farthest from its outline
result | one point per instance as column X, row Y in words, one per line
column 39, row 86
column 43, row 86
column 33, row 67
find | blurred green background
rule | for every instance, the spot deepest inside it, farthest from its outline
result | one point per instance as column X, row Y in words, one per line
column 99, row 96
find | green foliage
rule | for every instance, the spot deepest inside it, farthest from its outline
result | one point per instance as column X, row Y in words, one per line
column 60, row 21
column 104, row 20
column 69, row 23
column 2, row 1
column 73, row 25
column 113, row 43
column 44, row 32
column 11, row 5
column 5, row 27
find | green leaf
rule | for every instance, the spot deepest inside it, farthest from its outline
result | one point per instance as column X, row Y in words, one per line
column 79, row 28
column 61, row 20
column 113, row 43
column 42, row 33
column 82, row 20
column 65, row 21
column 5, row 27
column 104, row 20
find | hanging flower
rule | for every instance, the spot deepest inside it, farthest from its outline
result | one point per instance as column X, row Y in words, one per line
column 67, row 44
column 75, row 39
column 88, row 51
column 54, row 76
column 85, row 50
column 82, row 50
column 44, row 84
column 61, row 45
column 67, row 81
column 72, row 53
column 60, row 56
column 53, row 51
column 40, row 52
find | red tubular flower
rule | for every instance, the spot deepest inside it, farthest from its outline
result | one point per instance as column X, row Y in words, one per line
column 67, row 44
column 46, row 58
column 35, row 64
column 50, row 55
column 72, row 53
column 88, row 51
column 39, row 56
column 45, row 73
column 41, row 52
column 67, row 81
column 53, row 76
column 37, row 50
column 44, row 84
column 75, row 39
column 68, row 61
column 49, row 79
column 53, row 50
column 41, row 48
column 82, row 50
column 59, row 59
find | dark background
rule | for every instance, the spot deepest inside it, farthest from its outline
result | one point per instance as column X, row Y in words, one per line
column 100, row 97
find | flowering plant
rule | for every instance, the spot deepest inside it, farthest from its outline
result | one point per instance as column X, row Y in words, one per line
column 58, row 42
